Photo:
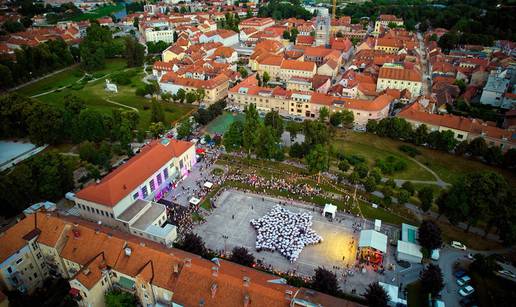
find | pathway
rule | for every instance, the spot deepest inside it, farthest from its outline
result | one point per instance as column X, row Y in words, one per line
column 121, row 104
column 438, row 181
column 41, row 78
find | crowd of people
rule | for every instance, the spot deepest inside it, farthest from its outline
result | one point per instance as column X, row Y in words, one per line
column 259, row 182
column 285, row 231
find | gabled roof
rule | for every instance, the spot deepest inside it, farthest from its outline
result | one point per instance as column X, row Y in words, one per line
column 120, row 182
column 399, row 74
column 298, row 65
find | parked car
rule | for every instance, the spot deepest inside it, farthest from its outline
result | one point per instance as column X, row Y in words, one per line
column 470, row 256
column 467, row 302
column 458, row 245
column 459, row 273
column 466, row 290
column 464, row 280
column 507, row 273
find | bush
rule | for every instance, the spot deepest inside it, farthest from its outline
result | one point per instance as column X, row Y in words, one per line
column 141, row 91
column 355, row 159
column 409, row 150
column 344, row 165
column 98, row 75
column 77, row 86
column 146, row 106
column 391, row 165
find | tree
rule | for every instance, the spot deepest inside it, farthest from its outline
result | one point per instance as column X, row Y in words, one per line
column 403, row 196
column 325, row 281
column 477, row 147
column 243, row 72
column 293, row 129
column 267, row 147
column 420, row 134
column 274, row 120
column 91, row 126
column 156, row 129
column 266, row 78
column 448, row 41
column 344, row 166
column 376, row 296
column 318, row 160
column 324, row 113
column 429, row 235
column 233, row 137
column 134, row 52
column 344, row 117
column 251, row 125
column 286, row 34
column 157, row 113
column 432, row 280
column 370, row 184
column 185, row 129
column 409, row 187
column 190, row 97
column 426, row 195
column 117, row 298
column 242, row 256
column 6, row 77
column 193, row 243
column 315, row 132
column 180, row 95
column 45, row 124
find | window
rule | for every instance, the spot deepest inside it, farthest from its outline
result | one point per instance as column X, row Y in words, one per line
column 159, row 180
column 181, row 164
column 19, row 261
column 459, row 136
column 135, row 196
column 9, row 270
column 145, row 193
column 38, row 255
column 111, row 214
column 152, row 186
column 98, row 212
column 165, row 173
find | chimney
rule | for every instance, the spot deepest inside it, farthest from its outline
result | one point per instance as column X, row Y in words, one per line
column 247, row 281
column 97, row 231
column 86, row 271
column 288, row 294
column 127, row 251
column 215, row 270
column 247, row 300
column 201, row 303
column 188, row 262
column 142, row 244
column 176, row 268
column 213, row 289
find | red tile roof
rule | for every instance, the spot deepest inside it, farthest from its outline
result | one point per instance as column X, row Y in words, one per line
column 298, row 65
column 399, row 74
column 122, row 181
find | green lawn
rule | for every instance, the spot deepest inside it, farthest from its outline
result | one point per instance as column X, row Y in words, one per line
column 95, row 96
column 99, row 12
column 373, row 148
column 221, row 124
column 447, row 166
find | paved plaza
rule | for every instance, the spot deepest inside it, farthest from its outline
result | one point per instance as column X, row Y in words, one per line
column 228, row 226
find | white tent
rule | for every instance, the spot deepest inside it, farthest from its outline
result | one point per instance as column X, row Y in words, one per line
column 194, row 201
column 393, row 293
column 331, row 209
column 374, row 239
column 409, row 251
column 377, row 225
column 208, row 184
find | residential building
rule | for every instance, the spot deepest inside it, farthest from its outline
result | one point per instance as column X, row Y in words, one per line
column 125, row 198
column 398, row 77
column 384, row 20
column 98, row 259
column 215, row 89
column 464, row 129
column 156, row 35
column 226, row 37
column 292, row 68
column 494, row 90
column 256, row 23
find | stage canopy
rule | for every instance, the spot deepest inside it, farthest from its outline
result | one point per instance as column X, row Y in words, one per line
column 374, row 239
column 208, row 184
column 194, row 201
column 330, row 209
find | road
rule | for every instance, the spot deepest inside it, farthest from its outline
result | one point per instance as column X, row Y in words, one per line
column 427, row 84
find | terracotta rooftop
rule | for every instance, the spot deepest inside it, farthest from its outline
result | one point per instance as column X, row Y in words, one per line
column 399, row 74
column 122, row 181
column 298, row 65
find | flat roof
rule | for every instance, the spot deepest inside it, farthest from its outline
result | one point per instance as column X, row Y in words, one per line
column 374, row 239
column 409, row 249
column 132, row 210
column 409, row 233
column 149, row 216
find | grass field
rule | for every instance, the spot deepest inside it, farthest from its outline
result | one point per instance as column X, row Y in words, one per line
column 99, row 12
column 372, row 148
column 96, row 97
column 447, row 166
column 221, row 124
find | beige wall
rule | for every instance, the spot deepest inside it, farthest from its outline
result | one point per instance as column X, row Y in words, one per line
column 413, row 86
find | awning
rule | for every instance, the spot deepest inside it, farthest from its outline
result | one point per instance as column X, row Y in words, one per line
column 200, row 151
column 374, row 239
column 74, row 292
column 126, row 283
column 194, row 201
column 208, row 184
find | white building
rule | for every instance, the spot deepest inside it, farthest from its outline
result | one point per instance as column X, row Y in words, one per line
column 166, row 35
column 125, row 198
column 408, row 249
column 494, row 90
column 226, row 37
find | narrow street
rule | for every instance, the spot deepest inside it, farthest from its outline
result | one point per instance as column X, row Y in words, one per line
column 425, row 72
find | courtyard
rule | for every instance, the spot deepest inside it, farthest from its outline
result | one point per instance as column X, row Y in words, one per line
column 228, row 226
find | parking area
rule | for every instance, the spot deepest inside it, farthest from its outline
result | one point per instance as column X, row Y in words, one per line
column 228, row 226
